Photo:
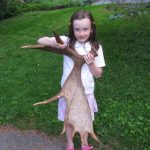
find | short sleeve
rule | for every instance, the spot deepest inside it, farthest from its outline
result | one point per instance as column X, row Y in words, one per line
column 99, row 60
column 65, row 39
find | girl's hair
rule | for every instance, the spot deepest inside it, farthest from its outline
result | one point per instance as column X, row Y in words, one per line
column 78, row 16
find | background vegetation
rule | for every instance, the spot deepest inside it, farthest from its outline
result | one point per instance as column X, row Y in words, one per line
column 28, row 76
column 9, row 8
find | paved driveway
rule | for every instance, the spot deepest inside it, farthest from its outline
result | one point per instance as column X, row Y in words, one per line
column 124, row 1
column 14, row 139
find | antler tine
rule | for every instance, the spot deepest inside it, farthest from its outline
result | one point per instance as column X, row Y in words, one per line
column 94, row 136
column 66, row 51
column 33, row 46
column 58, row 39
column 49, row 100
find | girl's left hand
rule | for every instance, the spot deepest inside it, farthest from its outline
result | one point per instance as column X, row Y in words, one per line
column 89, row 58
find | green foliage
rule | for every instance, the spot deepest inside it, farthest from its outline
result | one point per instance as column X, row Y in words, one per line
column 86, row 2
column 128, row 10
column 13, row 8
column 37, row 7
column 3, row 6
column 48, row 6
column 9, row 8
column 28, row 76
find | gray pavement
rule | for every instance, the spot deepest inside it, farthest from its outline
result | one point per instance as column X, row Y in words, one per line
column 13, row 139
column 100, row 2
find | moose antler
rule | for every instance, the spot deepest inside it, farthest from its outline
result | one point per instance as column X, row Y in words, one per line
column 78, row 112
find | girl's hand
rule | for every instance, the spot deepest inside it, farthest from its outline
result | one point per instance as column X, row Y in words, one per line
column 89, row 58
column 60, row 46
column 96, row 71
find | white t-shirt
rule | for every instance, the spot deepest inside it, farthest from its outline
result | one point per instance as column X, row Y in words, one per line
column 86, row 75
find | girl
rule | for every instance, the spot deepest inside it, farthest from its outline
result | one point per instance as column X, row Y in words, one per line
column 82, row 36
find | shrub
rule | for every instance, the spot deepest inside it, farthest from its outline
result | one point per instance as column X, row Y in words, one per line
column 10, row 8
column 36, row 7
column 86, row 2
column 3, row 6
column 128, row 10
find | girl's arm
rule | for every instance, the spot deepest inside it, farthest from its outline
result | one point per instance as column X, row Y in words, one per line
column 46, row 41
column 50, row 41
column 96, row 71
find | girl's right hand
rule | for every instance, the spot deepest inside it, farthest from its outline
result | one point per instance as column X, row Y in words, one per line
column 60, row 46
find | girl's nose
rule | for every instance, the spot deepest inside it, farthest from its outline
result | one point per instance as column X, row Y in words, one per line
column 81, row 32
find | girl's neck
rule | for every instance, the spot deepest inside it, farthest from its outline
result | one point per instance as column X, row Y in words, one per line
column 82, row 43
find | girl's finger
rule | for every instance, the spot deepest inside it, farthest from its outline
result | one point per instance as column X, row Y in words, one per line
column 89, row 58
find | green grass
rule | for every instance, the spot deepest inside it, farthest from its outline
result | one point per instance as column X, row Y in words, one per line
column 28, row 76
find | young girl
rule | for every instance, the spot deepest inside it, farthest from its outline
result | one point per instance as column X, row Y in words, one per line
column 82, row 36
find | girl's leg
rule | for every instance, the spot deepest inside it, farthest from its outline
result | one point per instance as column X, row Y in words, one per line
column 69, row 136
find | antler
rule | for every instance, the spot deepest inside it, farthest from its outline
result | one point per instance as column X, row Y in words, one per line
column 73, row 91
column 66, row 51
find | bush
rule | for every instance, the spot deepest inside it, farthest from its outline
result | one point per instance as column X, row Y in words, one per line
column 36, row 7
column 128, row 10
column 14, row 7
column 10, row 8
column 48, row 6
column 86, row 2
column 3, row 6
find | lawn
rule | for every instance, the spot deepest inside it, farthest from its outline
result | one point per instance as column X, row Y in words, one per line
column 28, row 76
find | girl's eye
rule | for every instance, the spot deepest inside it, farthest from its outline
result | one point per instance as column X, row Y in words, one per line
column 76, row 29
column 85, row 29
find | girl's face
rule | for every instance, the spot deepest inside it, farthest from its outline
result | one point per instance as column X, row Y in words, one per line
column 82, row 29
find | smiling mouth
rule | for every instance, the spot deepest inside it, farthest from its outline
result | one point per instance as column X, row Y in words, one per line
column 82, row 38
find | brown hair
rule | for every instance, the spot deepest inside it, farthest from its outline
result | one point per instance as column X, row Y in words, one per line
column 78, row 16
